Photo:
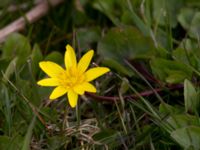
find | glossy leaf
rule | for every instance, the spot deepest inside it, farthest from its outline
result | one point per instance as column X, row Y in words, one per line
column 36, row 57
column 121, row 44
column 164, row 11
column 191, row 97
column 54, row 57
column 170, row 71
column 188, row 137
column 16, row 45
column 182, row 120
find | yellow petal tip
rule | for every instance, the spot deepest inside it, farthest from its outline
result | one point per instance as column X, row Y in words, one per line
column 73, row 106
column 104, row 69
column 72, row 98
column 51, row 98
column 68, row 47
column 107, row 69
column 91, row 51
column 38, row 83
column 94, row 73
column 41, row 64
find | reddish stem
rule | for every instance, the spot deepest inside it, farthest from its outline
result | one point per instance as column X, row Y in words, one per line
column 134, row 96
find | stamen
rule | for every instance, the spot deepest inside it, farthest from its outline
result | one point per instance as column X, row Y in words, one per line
column 71, row 78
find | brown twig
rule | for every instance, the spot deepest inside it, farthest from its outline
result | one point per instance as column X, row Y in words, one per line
column 13, row 8
column 134, row 96
column 34, row 14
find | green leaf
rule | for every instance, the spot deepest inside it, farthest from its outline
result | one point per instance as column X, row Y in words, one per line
column 4, row 64
column 162, row 53
column 188, row 137
column 128, row 43
column 182, row 120
column 190, row 19
column 175, row 77
column 169, row 109
column 195, row 26
column 36, row 57
column 189, row 45
column 191, row 97
column 11, row 143
column 124, row 86
column 122, row 12
column 16, row 48
column 185, row 56
column 88, row 36
column 185, row 17
column 164, row 10
column 129, row 15
column 188, row 53
column 108, row 8
column 170, row 71
column 118, row 67
column 11, row 68
column 16, row 45
column 27, row 139
column 55, row 57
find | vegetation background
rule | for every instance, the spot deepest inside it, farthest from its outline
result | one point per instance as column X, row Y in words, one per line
column 149, row 100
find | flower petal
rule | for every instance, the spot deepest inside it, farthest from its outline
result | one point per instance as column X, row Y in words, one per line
column 85, row 61
column 73, row 98
column 70, row 57
column 94, row 73
column 89, row 87
column 79, row 89
column 48, row 82
column 57, row 92
column 51, row 69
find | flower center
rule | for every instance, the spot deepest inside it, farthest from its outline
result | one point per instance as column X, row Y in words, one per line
column 71, row 78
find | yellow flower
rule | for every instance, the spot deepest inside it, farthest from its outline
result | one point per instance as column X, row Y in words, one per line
column 74, row 80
